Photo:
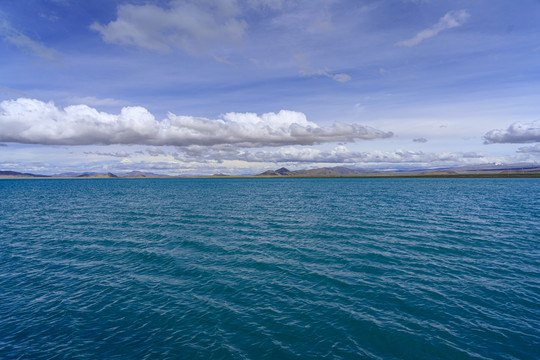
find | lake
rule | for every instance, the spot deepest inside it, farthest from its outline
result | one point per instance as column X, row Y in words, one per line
column 270, row 268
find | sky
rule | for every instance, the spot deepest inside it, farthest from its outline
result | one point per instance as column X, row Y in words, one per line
column 242, row 86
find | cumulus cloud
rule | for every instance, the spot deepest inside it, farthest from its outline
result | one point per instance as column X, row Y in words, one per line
column 450, row 20
column 516, row 133
column 26, row 44
column 32, row 121
column 420, row 140
column 187, row 25
column 529, row 149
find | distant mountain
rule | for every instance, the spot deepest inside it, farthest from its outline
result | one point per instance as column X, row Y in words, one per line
column 334, row 171
column 140, row 174
column 483, row 169
column 284, row 171
column 470, row 170
column 71, row 174
column 497, row 170
column 279, row 172
column 98, row 176
column 268, row 173
column 500, row 168
column 132, row 174
column 18, row 174
column 325, row 171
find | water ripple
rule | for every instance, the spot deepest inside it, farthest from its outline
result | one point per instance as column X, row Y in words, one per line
column 270, row 268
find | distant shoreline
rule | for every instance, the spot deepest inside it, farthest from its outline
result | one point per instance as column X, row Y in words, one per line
column 389, row 176
column 336, row 172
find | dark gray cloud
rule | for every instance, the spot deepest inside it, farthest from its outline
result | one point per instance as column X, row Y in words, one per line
column 155, row 151
column 516, row 133
column 529, row 149
column 420, row 140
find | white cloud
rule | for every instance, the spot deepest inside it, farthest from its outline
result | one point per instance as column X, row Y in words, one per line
column 515, row 134
column 32, row 121
column 187, row 25
column 118, row 154
column 339, row 155
column 271, row 4
column 306, row 69
column 450, row 20
column 341, row 77
column 23, row 42
column 530, row 149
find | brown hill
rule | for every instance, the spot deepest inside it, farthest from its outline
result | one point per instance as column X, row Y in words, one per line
column 98, row 176
column 284, row 171
column 331, row 171
column 269, row 173
column 15, row 174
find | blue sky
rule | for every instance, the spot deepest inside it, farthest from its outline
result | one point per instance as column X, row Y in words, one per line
column 240, row 86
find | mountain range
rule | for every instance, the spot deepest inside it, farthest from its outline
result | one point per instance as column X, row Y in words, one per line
column 461, row 170
column 325, row 171
column 337, row 171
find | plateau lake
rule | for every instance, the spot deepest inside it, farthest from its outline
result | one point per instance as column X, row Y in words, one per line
column 270, row 268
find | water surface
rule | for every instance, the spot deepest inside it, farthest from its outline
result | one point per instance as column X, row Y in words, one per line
column 270, row 269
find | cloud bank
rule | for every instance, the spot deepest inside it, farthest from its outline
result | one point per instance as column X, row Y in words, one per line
column 307, row 155
column 450, row 20
column 32, row 121
column 516, row 133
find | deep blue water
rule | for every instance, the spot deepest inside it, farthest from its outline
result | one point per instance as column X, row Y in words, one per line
column 270, row 269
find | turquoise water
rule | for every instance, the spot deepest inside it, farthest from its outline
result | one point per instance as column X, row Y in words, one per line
column 270, row 269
